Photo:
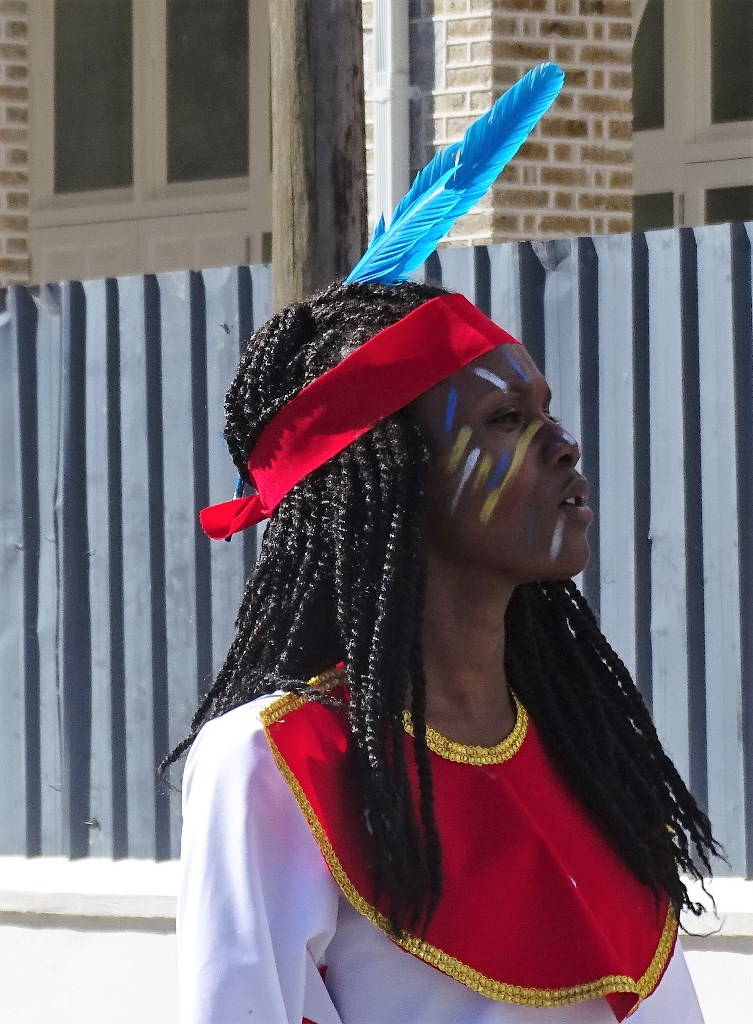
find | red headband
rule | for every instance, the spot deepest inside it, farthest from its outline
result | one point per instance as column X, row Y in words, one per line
column 381, row 376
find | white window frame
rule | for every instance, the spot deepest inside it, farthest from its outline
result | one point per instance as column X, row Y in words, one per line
column 151, row 196
column 690, row 154
column 700, row 177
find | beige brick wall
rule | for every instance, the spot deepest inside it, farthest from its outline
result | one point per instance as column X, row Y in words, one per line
column 574, row 176
column 465, row 88
column 14, row 111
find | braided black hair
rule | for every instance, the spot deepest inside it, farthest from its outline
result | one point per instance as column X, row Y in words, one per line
column 341, row 577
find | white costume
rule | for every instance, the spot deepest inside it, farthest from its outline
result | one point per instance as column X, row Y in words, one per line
column 260, row 915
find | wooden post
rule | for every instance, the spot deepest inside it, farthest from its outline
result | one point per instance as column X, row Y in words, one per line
column 318, row 144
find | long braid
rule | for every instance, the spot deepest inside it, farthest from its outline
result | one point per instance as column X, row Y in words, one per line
column 597, row 729
column 337, row 578
column 341, row 577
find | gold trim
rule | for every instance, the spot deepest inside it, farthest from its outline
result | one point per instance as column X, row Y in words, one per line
column 472, row 979
column 464, row 753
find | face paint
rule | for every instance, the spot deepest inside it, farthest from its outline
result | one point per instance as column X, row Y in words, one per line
column 482, row 473
column 452, row 404
column 491, row 377
column 520, row 450
column 458, row 449
column 499, row 472
column 516, row 365
column 554, row 550
column 470, row 465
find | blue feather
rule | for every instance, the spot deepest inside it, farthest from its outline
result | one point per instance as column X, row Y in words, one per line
column 457, row 178
column 444, row 161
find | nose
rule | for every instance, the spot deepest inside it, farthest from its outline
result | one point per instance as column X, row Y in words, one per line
column 559, row 446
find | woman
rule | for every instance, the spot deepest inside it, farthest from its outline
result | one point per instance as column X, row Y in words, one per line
column 471, row 819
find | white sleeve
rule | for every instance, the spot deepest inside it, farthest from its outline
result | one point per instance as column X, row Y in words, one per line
column 673, row 1001
column 257, row 906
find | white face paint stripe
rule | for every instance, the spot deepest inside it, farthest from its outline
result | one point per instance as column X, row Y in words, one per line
column 554, row 550
column 468, row 468
column 491, row 377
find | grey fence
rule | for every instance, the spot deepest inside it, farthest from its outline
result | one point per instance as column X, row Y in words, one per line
column 116, row 611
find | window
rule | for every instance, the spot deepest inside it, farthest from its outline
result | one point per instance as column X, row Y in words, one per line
column 693, row 107
column 207, row 98
column 151, row 122
column 648, row 69
column 729, row 204
column 93, row 95
column 731, row 60
column 653, row 211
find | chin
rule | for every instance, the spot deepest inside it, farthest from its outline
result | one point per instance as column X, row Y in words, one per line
column 566, row 566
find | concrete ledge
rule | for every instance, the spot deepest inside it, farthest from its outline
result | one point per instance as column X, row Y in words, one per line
column 88, row 888
column 145, row 890
column 734, row 910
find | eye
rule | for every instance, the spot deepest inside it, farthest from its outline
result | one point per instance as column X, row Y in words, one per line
column 552, row 419
column 507, row 417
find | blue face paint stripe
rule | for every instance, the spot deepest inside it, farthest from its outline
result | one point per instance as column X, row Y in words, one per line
column 516, row 365
column 499, row 471
column 452, row 404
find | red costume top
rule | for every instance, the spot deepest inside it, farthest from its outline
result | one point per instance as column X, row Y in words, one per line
column 537, row 909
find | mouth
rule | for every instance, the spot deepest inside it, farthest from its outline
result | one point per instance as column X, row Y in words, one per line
column 576, row 493
column 575, row 501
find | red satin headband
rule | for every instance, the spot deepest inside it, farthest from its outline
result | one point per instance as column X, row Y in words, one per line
column 385, row 374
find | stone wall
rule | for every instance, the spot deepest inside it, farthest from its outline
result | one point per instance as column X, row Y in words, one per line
column 14, row 145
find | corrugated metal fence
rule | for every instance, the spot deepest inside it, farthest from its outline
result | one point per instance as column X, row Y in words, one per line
column 115, row 610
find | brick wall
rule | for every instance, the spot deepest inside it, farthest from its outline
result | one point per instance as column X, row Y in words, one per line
column 464, row 89
column 574, row 175
column 14, row 109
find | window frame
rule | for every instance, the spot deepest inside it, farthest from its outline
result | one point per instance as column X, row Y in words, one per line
column 676, row 158
column 151, row 195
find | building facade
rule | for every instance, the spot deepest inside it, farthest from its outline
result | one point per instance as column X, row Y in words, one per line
column 127, row 147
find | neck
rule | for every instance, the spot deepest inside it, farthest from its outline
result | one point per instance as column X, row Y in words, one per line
column 467, row 697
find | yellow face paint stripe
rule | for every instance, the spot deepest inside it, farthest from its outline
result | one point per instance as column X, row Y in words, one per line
column 520, row 451
column 482, row 472
column 458, row 450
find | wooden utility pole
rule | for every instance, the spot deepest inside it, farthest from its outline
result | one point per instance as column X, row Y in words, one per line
column 318, row 144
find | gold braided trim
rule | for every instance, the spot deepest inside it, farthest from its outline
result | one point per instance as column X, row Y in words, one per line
column 498, row 990
column 464, row 753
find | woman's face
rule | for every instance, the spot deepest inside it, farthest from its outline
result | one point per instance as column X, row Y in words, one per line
column 504, row 493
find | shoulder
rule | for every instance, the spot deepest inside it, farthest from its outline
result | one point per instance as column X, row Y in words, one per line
column 230, row 735
column 231, row 753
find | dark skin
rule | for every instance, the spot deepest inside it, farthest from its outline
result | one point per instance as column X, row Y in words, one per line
column 483, row 540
